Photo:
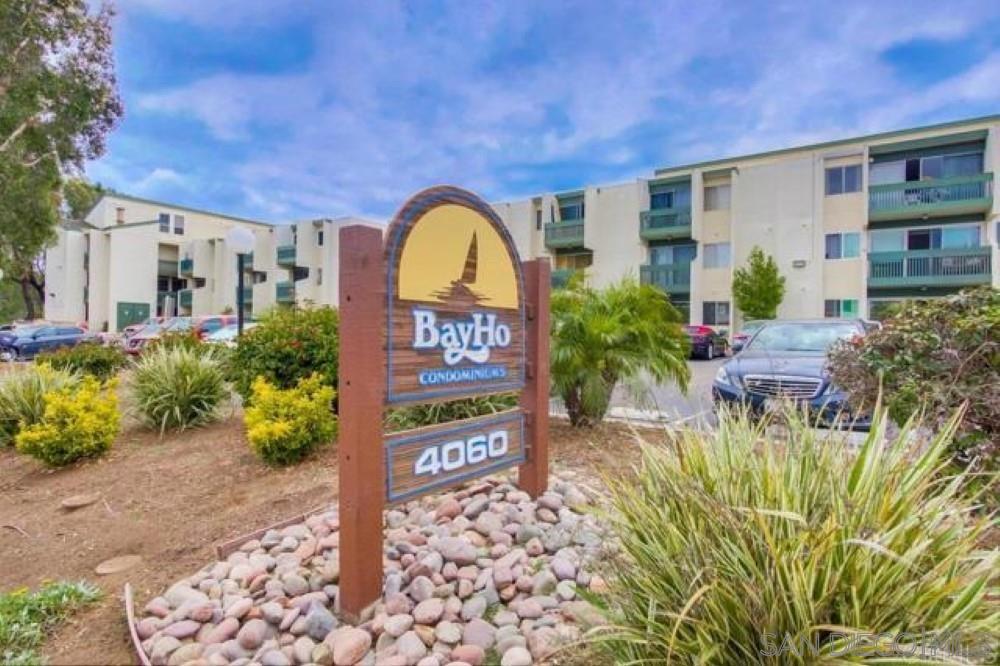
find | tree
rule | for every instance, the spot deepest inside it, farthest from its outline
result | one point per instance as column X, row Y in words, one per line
column 603, row 337
column 58, row 101
column 758, row 288
column 80, row 195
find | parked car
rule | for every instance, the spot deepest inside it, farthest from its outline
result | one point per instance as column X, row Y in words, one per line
column 202, row 326
column 227, row 334
column 132, row 329
column 741, row 337
column 787, row 360
column 30, row 340
column 706, row 342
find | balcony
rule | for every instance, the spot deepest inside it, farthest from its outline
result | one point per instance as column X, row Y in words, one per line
column 248, row 261
column 286, row 255
column 560, row 277
column 184, row 298
column 285, row 292
column 166, row 268
column 564, row 234
column 185, row 266
column 930, row 268
column 665, row 223
column 671, row 278
column 942, row 196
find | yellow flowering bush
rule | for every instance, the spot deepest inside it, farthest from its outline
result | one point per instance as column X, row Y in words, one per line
column 285, row 425
column 78, row 422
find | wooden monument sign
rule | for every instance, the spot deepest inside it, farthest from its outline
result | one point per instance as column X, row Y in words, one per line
column 442, row 309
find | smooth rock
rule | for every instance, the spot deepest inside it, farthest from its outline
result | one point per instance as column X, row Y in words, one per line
column 516, row 656
column 252, row 634
column 79, row 501
column 162, row 649
column 319, row 622
column 473, row 608
column 350, row 645
column 448, row 632
column 429, row 611
column 182, row 629
column 479, row 632
column 302, row 649
column 410, row 646
column 457, row 550
column 473, row 655
column 397, row 625
column 119, row 564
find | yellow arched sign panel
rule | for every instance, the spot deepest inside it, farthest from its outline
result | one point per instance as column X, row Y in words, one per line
column 454, row 297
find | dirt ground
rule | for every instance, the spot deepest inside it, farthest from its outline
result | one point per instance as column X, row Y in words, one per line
column 170, row 501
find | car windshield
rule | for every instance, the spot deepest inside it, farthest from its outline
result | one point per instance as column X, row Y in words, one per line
column 791, row 337
column 224, row 333
column 752, row 327
column 25, row 331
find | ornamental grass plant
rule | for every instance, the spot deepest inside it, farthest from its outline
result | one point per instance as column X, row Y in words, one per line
column 22, row 396
column 736, row 548
column 178, row 387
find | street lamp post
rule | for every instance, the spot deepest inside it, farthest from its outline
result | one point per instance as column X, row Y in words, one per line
column 241, row 241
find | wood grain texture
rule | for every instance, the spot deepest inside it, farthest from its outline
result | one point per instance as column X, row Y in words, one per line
column 533, row 475
column 403, row 449
column 361, row 383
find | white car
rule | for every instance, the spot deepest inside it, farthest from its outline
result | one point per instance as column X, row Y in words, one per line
column 227, row 334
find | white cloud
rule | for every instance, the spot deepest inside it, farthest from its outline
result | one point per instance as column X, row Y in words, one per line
column 394, row 99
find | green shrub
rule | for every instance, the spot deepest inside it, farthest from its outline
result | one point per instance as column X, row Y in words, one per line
column 416, row 416
column 178, row 387
column 287, row 345
column 934, row 356
column 601, row 337
column 731, row 542
column 285, row 425
column 22, row 396
column 101, row 361
column 27, row 618
column 79, row 422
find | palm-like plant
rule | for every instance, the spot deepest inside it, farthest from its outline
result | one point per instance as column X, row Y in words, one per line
column 601, row 337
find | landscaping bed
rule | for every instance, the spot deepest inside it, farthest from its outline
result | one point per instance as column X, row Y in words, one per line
column 170, row 501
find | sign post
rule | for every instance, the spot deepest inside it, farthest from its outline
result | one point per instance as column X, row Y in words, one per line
column 444, row 309
column 361, row 384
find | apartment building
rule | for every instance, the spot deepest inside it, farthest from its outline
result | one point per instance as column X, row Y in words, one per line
column 853, row 224
column 132, row 258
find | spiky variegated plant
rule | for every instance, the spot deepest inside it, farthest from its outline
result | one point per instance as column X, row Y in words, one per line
column 738, row 549
column 179, row 387
column 601, row 337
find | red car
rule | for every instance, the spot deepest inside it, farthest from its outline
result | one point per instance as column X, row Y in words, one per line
column 705, row 342
column 202, row 326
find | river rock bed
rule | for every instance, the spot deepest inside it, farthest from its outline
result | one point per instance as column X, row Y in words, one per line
column 481, row 573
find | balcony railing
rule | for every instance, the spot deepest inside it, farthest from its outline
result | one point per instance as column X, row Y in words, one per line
column 941, row 196
column 184, row 298
column 286, row 255
column 665, row 223
column 564, row 234
column 671, row 278
column 561, row 276
column 185, row 266
column 248, row 261
column 285, row 292
column 930, row 268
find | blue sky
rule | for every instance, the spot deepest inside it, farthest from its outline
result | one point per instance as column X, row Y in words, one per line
column 287, row 110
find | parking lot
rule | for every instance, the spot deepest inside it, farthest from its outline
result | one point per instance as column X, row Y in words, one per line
column 669, row 401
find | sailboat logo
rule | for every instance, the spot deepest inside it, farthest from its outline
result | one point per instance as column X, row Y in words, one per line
column 454, row 256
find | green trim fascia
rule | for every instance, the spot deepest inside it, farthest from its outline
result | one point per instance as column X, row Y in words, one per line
column 189, row 209
column 973, row 137
column 672, row 242
column 908, row 292
column 575, row 194
column 574, row 252
column 830, row 144
column 671, row 180
column 925, row 222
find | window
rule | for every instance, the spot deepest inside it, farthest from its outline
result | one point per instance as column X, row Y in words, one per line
column 715, row 313
column 843, row 179
column 319, row 238
column 840, row 308
column 717, row 197
column 573, row 211
column 887, row 172
column 538, row 219
column 843, row 246
column 164, row 219
column 716, row 255
column 661, row 200
column 668, row 255
column 319, row 276
column 670, row 195
column 926, row 168
column 179, row 225
column 120, row 215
